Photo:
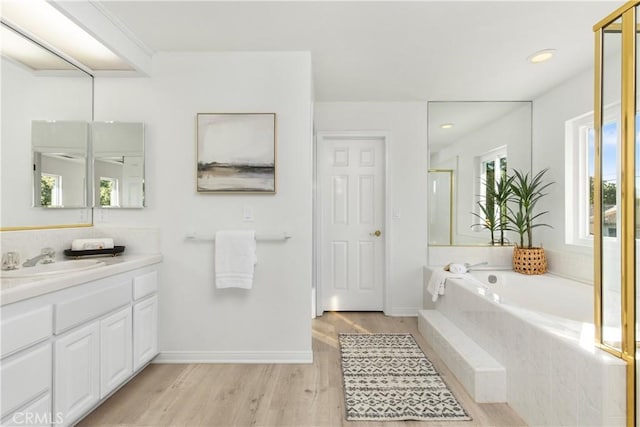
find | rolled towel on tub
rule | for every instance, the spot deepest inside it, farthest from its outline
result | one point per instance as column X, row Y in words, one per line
column 436, row 285
column 89, row 244
column 457, row 268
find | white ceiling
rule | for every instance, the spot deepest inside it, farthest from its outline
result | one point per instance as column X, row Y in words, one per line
column 388, row 50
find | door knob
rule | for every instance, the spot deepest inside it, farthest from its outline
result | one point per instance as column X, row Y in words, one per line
column 376, row 233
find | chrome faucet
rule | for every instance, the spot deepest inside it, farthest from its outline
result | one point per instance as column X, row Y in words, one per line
column 47, row 256
column 11, row 261
column 472, row 266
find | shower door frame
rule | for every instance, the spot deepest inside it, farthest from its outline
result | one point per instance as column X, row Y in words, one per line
column 627, row 350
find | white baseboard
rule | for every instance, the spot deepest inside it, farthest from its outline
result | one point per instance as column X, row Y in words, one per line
column 403, row 312
column 234, row 357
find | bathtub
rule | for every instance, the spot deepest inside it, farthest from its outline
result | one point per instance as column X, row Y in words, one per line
column 543, row 294
column 540, row 329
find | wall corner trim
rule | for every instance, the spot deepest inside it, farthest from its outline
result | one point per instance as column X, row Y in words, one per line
column 248, row 357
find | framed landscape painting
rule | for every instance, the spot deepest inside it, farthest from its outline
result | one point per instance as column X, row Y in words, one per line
column 236, row 152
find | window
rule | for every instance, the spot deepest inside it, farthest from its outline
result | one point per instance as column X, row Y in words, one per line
column 50, row 190
column 109, row 192
column 493, row 168
column 579, row 177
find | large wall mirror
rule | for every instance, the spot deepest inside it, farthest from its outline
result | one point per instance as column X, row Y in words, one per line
column 48, row 102
column 57, row 163
column 467, row 141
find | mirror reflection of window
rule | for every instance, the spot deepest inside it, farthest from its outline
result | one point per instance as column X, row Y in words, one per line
column 51, row 190
column 109, row 192
column 493, row 168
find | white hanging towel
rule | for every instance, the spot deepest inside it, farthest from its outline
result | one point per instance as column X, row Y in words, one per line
column 235, row 258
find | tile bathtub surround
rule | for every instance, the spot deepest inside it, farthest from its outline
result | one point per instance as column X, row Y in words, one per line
column 482, row 376
column 29, row 243
column 573, row 265
column 498, row 256
column 552, row 378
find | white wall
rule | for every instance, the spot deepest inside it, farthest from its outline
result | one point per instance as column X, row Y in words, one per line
column 28, row 96
column 550, row 112
column 272, row 321
column 406, row 123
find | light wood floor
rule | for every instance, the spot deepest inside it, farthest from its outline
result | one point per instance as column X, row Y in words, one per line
column 274, row 395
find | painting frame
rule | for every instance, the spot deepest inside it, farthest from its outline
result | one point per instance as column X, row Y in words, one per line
column 236, row 153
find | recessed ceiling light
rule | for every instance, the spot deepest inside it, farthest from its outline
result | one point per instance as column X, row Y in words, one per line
column 446, row 125
column 541, row 56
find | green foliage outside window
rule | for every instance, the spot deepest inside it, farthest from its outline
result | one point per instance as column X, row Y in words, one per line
column 46, row 190
column 106, row 188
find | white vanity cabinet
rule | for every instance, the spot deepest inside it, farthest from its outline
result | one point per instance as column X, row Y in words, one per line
column 145, row 319
column 76, row 372
column 26, row 378
column 116, row 361
column 145, row 331
column 26, row 365
column 65, row 352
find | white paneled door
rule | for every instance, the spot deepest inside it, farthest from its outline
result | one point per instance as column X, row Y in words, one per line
column 351, row 204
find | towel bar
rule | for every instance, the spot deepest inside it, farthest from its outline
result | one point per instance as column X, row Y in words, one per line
column 281, row 237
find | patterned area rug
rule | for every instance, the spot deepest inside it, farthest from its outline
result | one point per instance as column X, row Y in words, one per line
column 387, row 377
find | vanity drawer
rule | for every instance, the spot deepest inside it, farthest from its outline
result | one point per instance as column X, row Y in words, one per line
column 145, row 284
column 76, row 311
column 25, row 377
column 35, row 414
column 20, row 331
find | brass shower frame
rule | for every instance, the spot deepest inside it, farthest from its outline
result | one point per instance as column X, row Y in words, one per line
column 627, row 349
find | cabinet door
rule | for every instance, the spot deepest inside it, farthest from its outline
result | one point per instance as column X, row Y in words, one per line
column 145, row 331
column 77, row 372
column 115, row 350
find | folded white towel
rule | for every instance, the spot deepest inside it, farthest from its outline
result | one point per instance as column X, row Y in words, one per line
column 437, row 280
column 87, row 244
column 235, row 257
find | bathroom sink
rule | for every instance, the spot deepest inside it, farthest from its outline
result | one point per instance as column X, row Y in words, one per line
column 54, row 268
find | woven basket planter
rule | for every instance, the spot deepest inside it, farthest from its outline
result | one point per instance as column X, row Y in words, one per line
column 529, row 260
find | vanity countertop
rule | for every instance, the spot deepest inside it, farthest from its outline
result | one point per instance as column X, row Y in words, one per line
column 18, row 289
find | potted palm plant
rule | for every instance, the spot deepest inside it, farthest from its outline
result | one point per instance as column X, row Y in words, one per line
column 526, row 192
column 493, row 210
column 488, row 219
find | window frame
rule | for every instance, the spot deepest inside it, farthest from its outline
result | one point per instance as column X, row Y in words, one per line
column 577, row 186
